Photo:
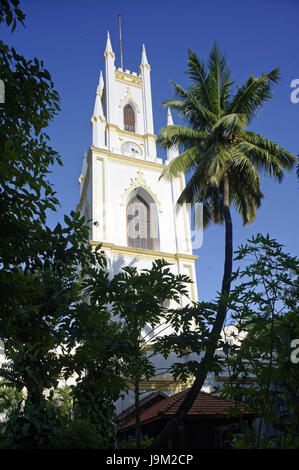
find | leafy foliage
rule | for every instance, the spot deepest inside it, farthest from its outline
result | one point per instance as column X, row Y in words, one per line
column 25, row 161
column 264, row 310
column 10, row 13
column 112, row 332
column 62, row 399
column 10, row 398
column 77, row 434
column 34, row 325
column 34, row 328
column 94, row 354
column 131, row 443
column 40, row 268
column 190, row 334
column 31, row 428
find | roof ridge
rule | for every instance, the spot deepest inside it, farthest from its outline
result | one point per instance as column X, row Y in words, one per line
column 211, row 395
column 175, row 398
column 142, row 402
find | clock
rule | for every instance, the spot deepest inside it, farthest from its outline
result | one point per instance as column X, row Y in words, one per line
column 130, row 149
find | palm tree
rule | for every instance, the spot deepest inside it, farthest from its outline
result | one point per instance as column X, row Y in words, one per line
column 225, row 159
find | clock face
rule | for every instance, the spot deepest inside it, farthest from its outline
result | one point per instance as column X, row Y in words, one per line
column 130, row 149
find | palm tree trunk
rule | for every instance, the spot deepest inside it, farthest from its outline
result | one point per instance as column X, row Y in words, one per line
column 167, row 433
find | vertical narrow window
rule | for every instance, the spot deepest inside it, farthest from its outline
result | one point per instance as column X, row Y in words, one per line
column 139, row 224
column 129, row 118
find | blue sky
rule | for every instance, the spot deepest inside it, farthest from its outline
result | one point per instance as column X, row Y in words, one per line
column 256, row 36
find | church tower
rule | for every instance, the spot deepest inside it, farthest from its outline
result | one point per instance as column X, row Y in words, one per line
column 137, row 220
column 136, row 214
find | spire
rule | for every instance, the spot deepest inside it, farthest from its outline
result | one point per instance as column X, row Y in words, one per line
column 173, row 151
column 98, row 108
column 109, row 82
column 98, row 121
column 100, row 87
column 145, row 74
column 143, row 57
column 144, row 62
column 169, row 118
column 108, row 49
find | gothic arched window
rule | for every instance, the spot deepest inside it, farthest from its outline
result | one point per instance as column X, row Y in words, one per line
column 129, row 118
column 139, row 224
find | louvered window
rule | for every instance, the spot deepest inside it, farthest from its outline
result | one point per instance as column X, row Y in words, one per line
column 129, row 118
column 139, row 224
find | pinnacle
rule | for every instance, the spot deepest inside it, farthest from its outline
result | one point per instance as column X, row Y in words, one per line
column 108, row 44
column 101, row 84
column 143, row 57
column 169, row 118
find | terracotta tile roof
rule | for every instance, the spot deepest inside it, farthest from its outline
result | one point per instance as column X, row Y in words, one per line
column 205, row 404
column 131, row 409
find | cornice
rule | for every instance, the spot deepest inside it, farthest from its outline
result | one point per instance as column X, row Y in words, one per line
column 141, row 253
column 130, row 134
column 163, row 384
column 129, row 160
column 128, row 79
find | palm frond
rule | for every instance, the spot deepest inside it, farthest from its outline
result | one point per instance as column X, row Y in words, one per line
column 180, row 164
column 219, row 80
column 197, row 191
column 172, row 136
column 198, row 74
column 246, row 199
column 190, row 108
column 245, row 192
column 266, row 154
column 230, row 123
column 251, row 96
column 242, row 168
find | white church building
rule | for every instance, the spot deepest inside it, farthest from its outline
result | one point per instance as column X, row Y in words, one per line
column 135, row 213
